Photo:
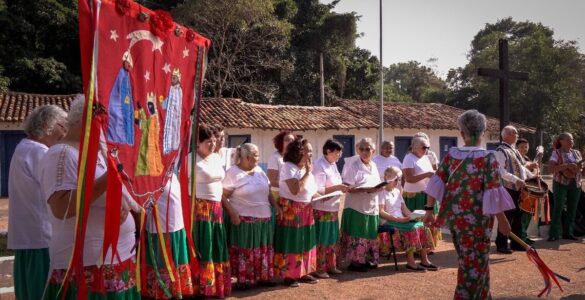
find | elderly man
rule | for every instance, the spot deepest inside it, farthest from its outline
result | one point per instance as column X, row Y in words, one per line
column 386, row 159
column 29, row 229
column 514, row 173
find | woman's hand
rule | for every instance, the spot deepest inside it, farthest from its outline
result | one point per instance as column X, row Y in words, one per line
column 235, row 218
column 429, row 174
column 342, row 188
column 403, row 220
column 429, row 218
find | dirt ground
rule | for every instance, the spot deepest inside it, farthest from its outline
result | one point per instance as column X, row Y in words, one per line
column 512, row 276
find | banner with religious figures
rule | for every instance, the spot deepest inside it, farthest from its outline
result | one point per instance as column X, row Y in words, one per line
column 142, row 76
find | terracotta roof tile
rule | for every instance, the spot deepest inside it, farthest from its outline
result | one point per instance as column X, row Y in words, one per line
column 15, row 107
column 417, row 115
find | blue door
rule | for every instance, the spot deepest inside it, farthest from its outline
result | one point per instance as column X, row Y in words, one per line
column 348, row 142
column 445, row 143
column 8, row 141
column 401, row 145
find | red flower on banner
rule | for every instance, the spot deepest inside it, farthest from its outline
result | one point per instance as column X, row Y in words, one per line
column 162, row 23
column 190, row 35
column 122, row 6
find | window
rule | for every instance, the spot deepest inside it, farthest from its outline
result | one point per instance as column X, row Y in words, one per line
column 401, row 145
column 236, row 140
column 445, row 143
column 348, row 142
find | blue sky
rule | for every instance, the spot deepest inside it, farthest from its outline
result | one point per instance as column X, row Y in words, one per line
column 443, row 29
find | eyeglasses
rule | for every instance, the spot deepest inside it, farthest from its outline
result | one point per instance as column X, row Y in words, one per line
column 365, row 149
column 426, row 147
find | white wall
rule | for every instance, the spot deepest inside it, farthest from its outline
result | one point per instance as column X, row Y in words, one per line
column 263, row 138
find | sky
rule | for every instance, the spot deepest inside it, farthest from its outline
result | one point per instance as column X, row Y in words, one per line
column 443, row 29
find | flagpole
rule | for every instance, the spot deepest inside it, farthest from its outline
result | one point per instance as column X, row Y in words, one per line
column 381, row 124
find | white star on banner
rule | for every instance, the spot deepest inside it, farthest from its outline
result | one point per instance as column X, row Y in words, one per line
column 185, row 52
column 113, row 35
column 147, row 76
column 167, row 68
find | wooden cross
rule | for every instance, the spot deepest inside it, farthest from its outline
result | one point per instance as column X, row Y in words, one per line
column 504, row 75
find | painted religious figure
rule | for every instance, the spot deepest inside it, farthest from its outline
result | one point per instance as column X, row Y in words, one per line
column 173, row 104
column 121, row 106
column 149, row 157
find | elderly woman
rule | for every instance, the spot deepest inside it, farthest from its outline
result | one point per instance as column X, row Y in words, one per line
column 417, row 170
column 359, row 222
column 468, row 187
column 430, row 153
column 58, row 180
column 566, row 164
column 209, row 234
column 294, row 241
column 326, row 211
column 247, row 199
column 28, row 224
column 409, row 236
column 170, row 218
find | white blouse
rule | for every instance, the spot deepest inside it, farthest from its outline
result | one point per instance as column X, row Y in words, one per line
column 208, row 176
column 420, row 165
column 326, row 175
column 290, row 170
column 357, row 174
column 250, row 191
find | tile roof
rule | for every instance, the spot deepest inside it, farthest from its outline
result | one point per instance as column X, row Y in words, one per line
column 15, row 107
column 239, row 114
column 235, row 113
column 418, row 115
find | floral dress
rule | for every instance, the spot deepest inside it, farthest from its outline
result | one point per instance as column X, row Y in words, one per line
column 467, row 185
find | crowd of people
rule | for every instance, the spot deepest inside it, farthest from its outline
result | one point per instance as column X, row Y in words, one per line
column 252, row 228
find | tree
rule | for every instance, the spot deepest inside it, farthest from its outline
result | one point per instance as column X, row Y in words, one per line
column 247, row 55
column 419, row 82
column 551, row 100
column 40, row 46
column 362, row 76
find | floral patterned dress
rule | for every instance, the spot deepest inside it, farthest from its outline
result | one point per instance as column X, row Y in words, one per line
column 468, row 187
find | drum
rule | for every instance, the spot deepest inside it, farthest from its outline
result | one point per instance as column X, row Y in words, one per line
column 531, row 195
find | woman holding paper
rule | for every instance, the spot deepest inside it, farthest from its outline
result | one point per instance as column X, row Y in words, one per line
column 294, row 241
column 410, row 236
column 326, row 211
column 247, row 200
column 418, row 170
column 359, row 223
column 468, row 188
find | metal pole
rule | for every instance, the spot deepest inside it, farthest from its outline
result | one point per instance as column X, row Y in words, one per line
column 322, row 83
column 381, row 126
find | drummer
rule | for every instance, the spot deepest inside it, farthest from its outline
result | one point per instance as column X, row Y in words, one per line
column 514, row 173
column 523, row 146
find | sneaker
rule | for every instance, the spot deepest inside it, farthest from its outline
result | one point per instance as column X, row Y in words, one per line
column 335, row 271
column 415, row 268
column 321, row 275
column 309, row 279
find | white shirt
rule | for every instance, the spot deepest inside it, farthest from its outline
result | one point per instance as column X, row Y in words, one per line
column 28, row 223
column 383, row 163
column 420, row 165
column 171, row 200
column 58, row 172
column 392, row 202
column 357, row 174
column 227, row 156
column 208, row 176
column 432, row 157
column 250, row 192
column 326, row 175
column 290, row 170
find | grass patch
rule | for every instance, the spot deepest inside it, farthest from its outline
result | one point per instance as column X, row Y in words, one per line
column 3, row 246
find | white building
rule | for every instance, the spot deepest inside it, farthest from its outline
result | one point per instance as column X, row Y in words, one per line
column 348, row 122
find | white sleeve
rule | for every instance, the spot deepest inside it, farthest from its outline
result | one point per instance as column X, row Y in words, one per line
column 273, row 162
column 320, row 178
column 507, row 176
column 289, row 171
column 554, row 157
column 348, row 174
column 408, row 162
column 230, row 180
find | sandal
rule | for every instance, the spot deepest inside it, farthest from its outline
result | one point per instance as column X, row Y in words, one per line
column 416, row 268
column 322, row 275
column 430, row 267
column 309, row 279
column 292, row 283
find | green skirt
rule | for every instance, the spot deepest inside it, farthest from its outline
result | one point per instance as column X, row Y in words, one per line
column 358, row 225
column 31, row 268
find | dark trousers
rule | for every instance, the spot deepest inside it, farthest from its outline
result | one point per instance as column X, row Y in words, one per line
column 514, row 216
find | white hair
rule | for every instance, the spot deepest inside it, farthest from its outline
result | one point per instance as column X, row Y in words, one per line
column 472, row 123
column 366, row 141
column 387, row 143
column 507, row 130
column 393, row 170
column 419, row 141
column 75, row 115
column 244, row 150
column 422, row 134
column 42, row 121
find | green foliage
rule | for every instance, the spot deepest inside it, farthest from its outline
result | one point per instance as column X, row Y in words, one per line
column 416, row 81
column 551, row 100
column 40, row 48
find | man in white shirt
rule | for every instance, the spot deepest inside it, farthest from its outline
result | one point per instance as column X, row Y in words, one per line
column 386, row 159
column 514, row 173
column 29, row 229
